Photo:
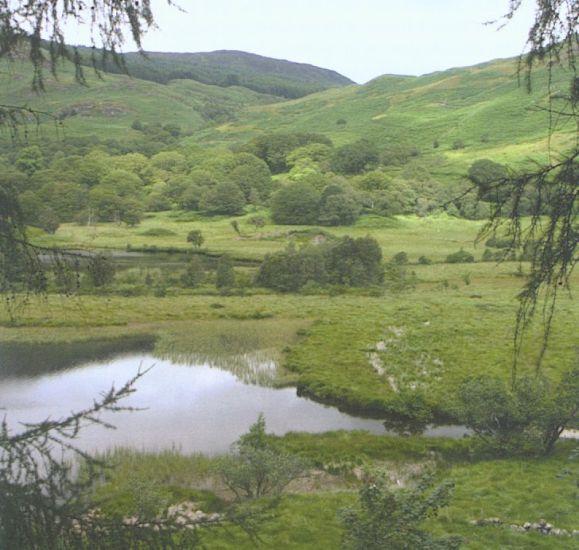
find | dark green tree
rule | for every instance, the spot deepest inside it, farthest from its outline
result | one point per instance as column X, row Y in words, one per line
column 488, row 176
column 290, row 270
column 101, row 270
column 275, row 148
column 295, row 204
column 225, row 198
column 356, row 157
column 194, row 275
column 337, row 206
column 225, row 274
column 354, row 262
column 195, row 237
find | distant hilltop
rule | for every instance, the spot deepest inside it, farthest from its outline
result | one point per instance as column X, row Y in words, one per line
column 226, row 68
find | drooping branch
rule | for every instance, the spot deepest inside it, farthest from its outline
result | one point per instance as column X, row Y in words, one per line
column 38, row 27
column 550, row 236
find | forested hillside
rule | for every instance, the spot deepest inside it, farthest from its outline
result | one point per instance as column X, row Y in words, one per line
column 225, row 68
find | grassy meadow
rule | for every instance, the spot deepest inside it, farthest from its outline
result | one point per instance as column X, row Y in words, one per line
column 434, row 237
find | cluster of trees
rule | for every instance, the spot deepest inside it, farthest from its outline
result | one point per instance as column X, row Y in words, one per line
column 322, row 184
column 345, row 261
column 300, row 203
column 100, row 187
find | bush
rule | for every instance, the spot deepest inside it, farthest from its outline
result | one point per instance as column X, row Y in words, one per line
column 525, row 420
column 392, row 518
column 195, row 237
column 100, row 270
column 224, row 198
column 194, row 275
column 423, row 260
column 499, row 243
column 345, row 262
column 157, row 232
column 460, row 257
column 225, row 275
column 256, row 468
column 339, row 209
column 353, row 158
column 400, row 259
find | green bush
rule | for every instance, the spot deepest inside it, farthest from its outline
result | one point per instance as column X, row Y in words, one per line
column 526, row 419
column 157, row 232
column 460, row 257
column 401, row 258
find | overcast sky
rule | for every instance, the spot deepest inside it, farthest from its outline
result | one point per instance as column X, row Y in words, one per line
column 361, row 39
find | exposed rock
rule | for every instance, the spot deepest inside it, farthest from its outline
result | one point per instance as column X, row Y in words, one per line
column 541, row 526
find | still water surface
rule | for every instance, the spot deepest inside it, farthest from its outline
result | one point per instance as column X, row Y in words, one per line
column 194, row 408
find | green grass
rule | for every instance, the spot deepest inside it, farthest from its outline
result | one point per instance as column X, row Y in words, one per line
column 434, row 237
column 106, row 108
column 514, row 490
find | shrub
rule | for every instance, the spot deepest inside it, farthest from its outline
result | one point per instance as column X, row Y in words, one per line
column 400, row 259
column 256, row 468
column 345, row 261
column 195, row 237
column 353, row 158
column 100, row 270
column 460, row 257
column 527, row 419
column 423, row 260
column 194, row 275
column 392, row 518
column 225, row 275
column 157, row 232
column 499, row 243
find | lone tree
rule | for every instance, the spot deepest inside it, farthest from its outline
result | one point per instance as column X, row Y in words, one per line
column 195, row 237
column 255, row 468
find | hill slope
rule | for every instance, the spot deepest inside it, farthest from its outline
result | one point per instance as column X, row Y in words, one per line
column 449, row 118
column 465, row 112
column 229, row 68
column 107, row 107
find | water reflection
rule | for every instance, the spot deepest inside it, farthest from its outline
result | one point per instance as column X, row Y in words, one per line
column 29, row 360
column 256, row 367
column 200, row 408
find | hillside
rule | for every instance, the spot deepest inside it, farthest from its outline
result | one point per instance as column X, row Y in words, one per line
column 107, row 107
column 228, row 68
column 447, row 118
column 461, row 113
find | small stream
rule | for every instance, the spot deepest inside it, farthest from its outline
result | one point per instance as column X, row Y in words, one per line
column 190, row 407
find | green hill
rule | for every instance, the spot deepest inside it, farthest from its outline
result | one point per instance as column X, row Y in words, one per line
column 107, row 107
column 461, row 113
column 447, row 118
column 227, row 68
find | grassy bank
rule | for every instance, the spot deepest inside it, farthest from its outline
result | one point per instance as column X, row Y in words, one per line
column 307, row 516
